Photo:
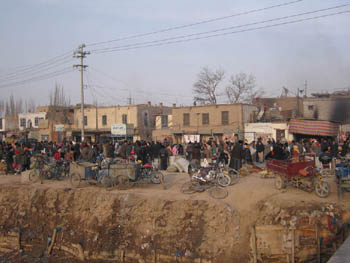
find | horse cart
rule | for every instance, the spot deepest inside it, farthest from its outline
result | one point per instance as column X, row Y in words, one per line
column 299, row 172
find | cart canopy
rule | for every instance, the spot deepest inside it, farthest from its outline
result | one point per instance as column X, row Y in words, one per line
column 317, row 128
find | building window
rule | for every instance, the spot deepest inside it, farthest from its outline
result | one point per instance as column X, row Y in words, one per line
column 125, row 119
column 104, row 120
column 164, row 121
column 1, row 123
column 186, row 119
column 23, row 122
column 85, row 121
column 224, row 117
column 145, row 119
column 36, row 122
column 311, row 107
column 205, row 118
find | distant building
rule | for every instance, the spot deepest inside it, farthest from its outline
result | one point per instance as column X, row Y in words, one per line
column 58, row 123
column 30, row 120
column 335, row 109
column 218, row 121
column 138, row 121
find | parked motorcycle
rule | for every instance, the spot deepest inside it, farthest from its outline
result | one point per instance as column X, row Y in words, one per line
column 211, row 174
column 147, row 173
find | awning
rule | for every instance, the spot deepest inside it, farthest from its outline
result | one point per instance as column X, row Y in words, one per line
column 317, row 128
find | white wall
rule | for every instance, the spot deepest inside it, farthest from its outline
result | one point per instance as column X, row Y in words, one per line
column 31, row 117
column 252, row 130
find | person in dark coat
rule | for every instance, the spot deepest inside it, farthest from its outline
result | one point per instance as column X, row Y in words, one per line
column 345, row 148
column 196, row 152
column 9, row 159
column 260, row 148
column 237, row 155
column 163, row 154
column 76, row 152
column 246, row 154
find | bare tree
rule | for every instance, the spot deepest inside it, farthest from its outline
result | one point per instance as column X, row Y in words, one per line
column 57, row 96
column 19, row 106
column 242, row 89
column 7, row 108
column 29, row 105
column 12, row 105
column 205, row 88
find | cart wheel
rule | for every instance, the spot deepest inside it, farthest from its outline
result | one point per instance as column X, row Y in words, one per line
column 218, row 192
column 157, row 177
column 191, row 188
column 188, row 188
column 224, row 180
column 75, row 180
column 33, row 176
column 322, row 189
column 279, row 182
column 123, row 181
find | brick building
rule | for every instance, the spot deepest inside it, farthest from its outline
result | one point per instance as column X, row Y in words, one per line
column 99, row 120
column 218, row 121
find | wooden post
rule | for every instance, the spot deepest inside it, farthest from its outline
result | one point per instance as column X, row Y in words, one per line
column 53, row 239
column 254, row 247
column 293, row 245
column 318, row 244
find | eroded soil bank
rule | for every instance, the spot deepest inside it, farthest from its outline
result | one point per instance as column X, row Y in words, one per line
column 153, row 225
column 122, row 227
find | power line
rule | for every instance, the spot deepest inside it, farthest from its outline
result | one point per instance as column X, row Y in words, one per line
column 111, row 77
column 36, row 71
column 195, row 24
column 139, row 91
column 38, row 78
column 167, row 41
column 21, row 69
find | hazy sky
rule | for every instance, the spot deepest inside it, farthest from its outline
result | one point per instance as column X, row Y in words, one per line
column 33, row 31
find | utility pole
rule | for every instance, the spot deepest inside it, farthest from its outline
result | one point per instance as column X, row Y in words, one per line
column 130, row 99
column 305, row 89
column 80, row 53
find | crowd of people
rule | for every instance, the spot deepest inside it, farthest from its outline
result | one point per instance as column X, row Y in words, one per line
column 233, row 153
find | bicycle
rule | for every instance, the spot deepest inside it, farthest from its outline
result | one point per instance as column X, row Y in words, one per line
column 197, row 185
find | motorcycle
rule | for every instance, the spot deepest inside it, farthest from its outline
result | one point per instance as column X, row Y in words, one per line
column 211, row 174
column 147, row 173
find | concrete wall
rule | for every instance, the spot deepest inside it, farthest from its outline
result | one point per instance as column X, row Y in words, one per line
column 254, row 130
column 327, row 109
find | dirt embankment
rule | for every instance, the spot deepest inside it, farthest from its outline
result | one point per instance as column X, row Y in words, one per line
column 150, row 224
column 122, row 227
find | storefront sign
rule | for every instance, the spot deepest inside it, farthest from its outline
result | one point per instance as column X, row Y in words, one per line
column 59, row 127
column 121, row 129
column 191, row 138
